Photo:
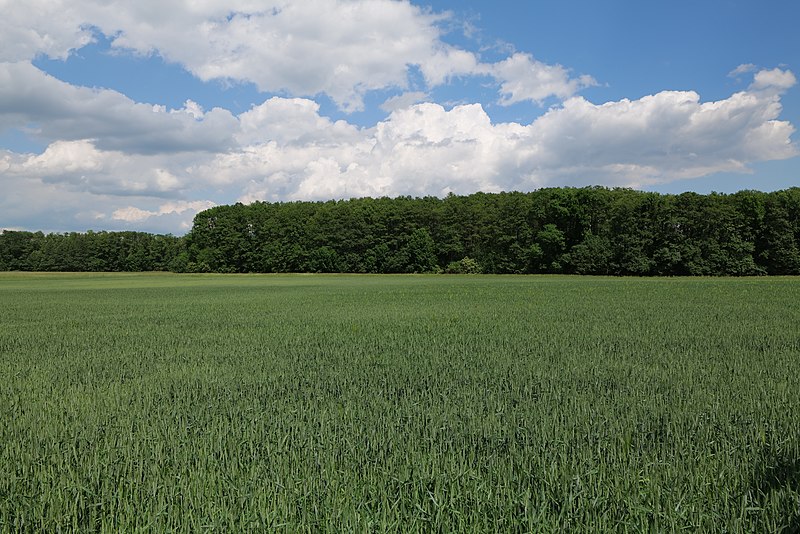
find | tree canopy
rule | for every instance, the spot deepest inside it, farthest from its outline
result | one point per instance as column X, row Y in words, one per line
column 560, row 230
column 591, row 230
column 90, row 251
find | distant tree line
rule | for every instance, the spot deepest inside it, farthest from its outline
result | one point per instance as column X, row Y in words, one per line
column 591, row 230
column 91, row 251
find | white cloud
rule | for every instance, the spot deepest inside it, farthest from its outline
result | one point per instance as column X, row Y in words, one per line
column 184, row 206
column 31, row 203
column 286, row 120
column 61, row 111
column 662, row 137
column 777, row 79
column 40, row 27
column 524, row 78
column 403, row 101
column 132, row 214
column 426, row 149
column 744, row 68
column 447, row 62
column 192, row 108
column 343, row 48
column 82, row 167
column 135, row 215
column 66, row 157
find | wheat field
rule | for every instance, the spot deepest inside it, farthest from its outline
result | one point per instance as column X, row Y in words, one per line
column 307, row 403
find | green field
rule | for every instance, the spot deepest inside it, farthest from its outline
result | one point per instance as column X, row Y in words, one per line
column 398, row 403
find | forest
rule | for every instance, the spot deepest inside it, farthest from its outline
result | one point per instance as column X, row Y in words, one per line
column 592, row 230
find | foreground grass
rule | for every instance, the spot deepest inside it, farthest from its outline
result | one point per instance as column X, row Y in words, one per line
column 392, row 403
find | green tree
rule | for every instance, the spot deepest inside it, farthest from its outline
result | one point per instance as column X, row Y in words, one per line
column 551, row 242
column 590, row 256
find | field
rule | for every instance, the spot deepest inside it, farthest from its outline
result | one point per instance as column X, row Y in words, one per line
column 398, row 403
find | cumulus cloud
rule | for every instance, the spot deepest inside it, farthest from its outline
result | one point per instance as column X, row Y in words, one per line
column 134, row 214
column 524, row 78
column 426, row 149
column 777, row 79
column 40, row 27
column 661, row 137
column 447, row 62
column 341, row 48
column 294, row 46
column 287, row 150
column 286, row 120
column 60, row 111
column 52, row 205
column 82, row 166
column 281, row 46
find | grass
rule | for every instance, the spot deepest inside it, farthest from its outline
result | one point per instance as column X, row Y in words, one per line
column 398, row 403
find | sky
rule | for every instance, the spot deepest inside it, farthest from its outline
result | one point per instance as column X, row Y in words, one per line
column 138, row 115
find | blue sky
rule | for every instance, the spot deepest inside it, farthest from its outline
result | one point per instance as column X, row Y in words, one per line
column 138, row 115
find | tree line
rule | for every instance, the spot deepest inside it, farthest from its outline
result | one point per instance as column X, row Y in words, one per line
column 90, row 251
column 591, row 230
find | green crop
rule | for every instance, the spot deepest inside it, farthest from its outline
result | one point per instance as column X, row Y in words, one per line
column 398, row 403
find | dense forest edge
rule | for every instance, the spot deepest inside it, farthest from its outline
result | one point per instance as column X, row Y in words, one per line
column 592, row 230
